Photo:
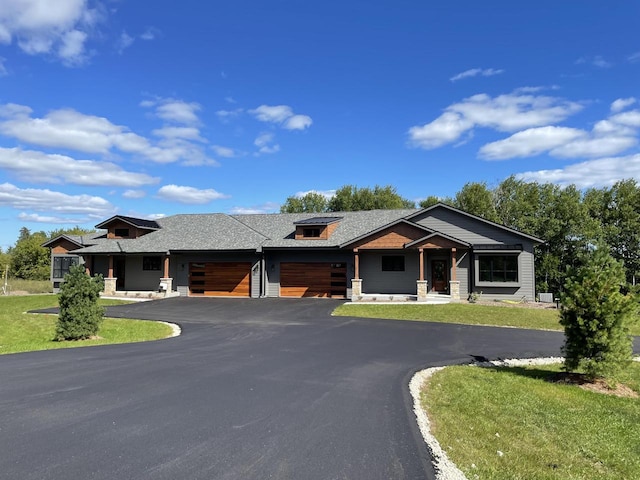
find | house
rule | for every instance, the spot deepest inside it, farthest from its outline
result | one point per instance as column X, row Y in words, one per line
column 412, row 254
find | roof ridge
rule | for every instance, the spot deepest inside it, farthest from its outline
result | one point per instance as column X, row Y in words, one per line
column 249, row 227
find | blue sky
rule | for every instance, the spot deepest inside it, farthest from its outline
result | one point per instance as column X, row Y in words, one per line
column 154, row 108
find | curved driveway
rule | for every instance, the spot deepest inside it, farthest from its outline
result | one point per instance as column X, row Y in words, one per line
column 253, row 389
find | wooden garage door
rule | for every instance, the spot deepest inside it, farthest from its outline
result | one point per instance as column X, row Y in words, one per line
column 313, row 279
column 220, row 279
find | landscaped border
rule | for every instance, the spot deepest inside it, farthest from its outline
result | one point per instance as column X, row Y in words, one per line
column 444, row 468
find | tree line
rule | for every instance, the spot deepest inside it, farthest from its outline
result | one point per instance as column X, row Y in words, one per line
column 27, row 258
column 570, row 220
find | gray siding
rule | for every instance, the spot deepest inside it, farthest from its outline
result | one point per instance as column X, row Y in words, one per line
column 138, row 280
column 465, row 228
column 274, row 258
column 526, row 281
column 374, row 280
column 463, row 274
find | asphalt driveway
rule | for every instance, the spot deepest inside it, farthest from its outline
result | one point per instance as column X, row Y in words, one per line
column 253, row 389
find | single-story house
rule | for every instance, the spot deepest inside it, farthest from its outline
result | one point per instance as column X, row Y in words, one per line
column 412, row 254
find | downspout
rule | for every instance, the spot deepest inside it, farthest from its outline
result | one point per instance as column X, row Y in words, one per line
column 263, row 275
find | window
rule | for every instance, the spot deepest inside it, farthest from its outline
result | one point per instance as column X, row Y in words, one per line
column 121, row 232
column 498, row 268
column 151, row 263
column 393, row 263
column 61, row 265
column 310, row 232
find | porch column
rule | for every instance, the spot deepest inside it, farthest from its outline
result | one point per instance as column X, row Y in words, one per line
column 356, row 283
column 110, row 281
column 421, row 283
column 166, row 282
column 454, row 284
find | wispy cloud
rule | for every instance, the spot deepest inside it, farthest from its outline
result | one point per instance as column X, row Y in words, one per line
column 56, row 203
column 510, row 112
column 622, row 103
column 281, row 115
column 269, row 207
column 189, row 195
column 61, row 32
column 265, row 144
column 475, row 72
column 596, row 61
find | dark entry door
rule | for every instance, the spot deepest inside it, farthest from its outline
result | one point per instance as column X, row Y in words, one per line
column 439, row 277
column 119, row 273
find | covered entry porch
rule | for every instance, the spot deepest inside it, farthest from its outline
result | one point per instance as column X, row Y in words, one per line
column 406, row 262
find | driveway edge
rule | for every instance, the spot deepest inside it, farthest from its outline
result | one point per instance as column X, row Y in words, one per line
column 176, row 331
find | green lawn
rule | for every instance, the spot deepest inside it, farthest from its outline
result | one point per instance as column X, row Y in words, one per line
column 23, row 332
column 464, row 313
column 544, row 430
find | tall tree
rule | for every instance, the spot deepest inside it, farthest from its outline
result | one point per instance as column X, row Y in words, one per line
column 311, row 202
column 29, row 259
column 352, row 198
column 432, row 200
column 77, row 230
column 476, row 198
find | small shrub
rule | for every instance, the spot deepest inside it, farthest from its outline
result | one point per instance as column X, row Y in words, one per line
column 596, row 317
column 80, row 315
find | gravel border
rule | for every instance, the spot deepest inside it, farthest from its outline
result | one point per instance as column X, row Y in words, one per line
column 176, row 331
column 444, row 468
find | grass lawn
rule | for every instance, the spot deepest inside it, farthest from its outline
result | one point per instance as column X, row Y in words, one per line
column 465, row 313
column 23, row 332
column 544, row 430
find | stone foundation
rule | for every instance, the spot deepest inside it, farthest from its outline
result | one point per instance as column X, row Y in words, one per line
column 356, row 287
column 422, row 289
column 110, row 286
column 166, row 286
column 454, row 290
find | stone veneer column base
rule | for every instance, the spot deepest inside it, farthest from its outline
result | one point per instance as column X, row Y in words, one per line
column 168, row 282
column 110, row 286
column 454, row 290
column 356, row 287
column 422, row 289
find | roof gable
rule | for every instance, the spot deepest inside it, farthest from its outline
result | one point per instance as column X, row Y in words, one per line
column 487, row 223
column 393, row 235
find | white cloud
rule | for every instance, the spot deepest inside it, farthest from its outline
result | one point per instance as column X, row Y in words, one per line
column 530, row 142
column 269, row 207
column 224, row 152
column 226, row 115
column 73, row 130
column 39, row 167
column 264, row 142
column 510, row 112
column 189, row 195
column 608, row 137
column 298, row 122
column 124, row 41
column 282, row 115
column 42, row 27
column 151, row 33
column 328, row 194
column 592, row 173
column 474, row 72
column 134, row 194
column 622, row 103
column 179, row 111
column 54, row 202
column 187, row 133
column 156, row 216
column 597, row 61
column 634, row 57
column 37, row 218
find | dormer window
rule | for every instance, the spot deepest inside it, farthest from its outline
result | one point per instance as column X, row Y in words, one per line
column 121, row 232
column 316, row 228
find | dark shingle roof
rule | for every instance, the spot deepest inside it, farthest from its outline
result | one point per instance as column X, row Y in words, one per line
column 136, row 222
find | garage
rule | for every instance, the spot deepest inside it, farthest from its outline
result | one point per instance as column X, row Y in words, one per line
column 298, row 279
column 220, row 279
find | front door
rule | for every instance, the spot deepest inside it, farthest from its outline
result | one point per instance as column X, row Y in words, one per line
column 119, row 273
column 439, row 277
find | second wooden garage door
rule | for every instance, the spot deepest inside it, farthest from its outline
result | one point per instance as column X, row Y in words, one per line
column 220, row 279
column 313, row 279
